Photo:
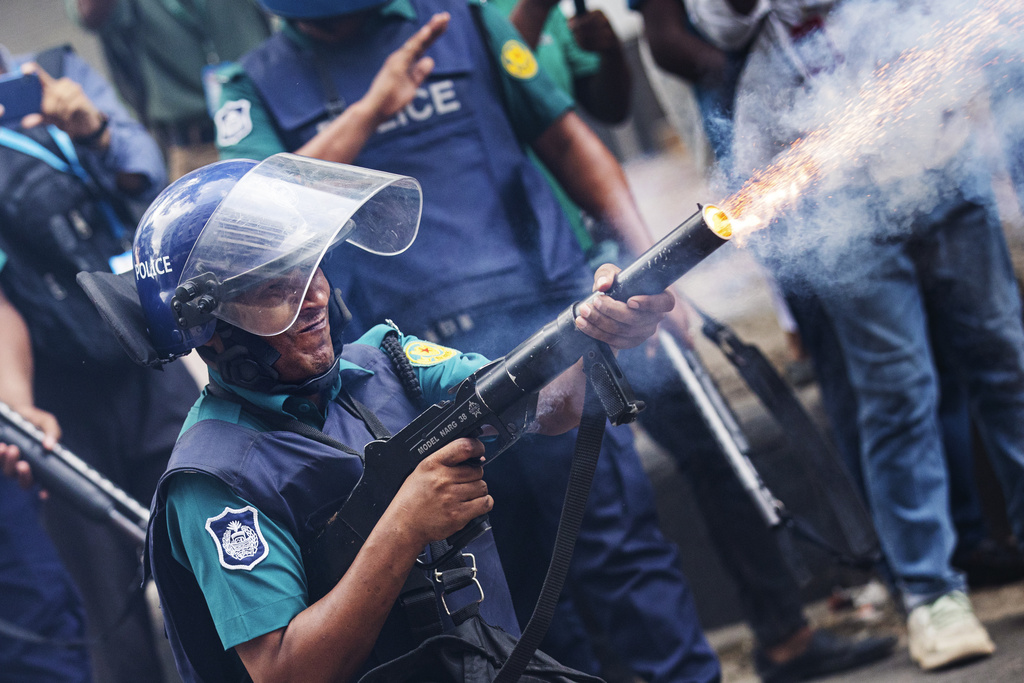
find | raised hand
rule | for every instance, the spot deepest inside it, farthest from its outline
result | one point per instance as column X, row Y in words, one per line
column 405, row 69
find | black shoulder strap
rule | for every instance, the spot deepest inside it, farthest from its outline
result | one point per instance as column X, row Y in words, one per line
column 581, row 475
column 372, row 422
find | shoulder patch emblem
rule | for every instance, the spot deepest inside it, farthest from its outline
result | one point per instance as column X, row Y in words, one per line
column 238, row 538
column 518, row 60
column 233, row 122
column 425, row 353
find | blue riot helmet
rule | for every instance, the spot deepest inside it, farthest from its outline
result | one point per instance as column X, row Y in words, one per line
column 317, row 9
column 233, row 246
column 163, row 242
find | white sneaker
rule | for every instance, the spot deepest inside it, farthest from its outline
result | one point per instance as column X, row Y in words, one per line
column 946, row 631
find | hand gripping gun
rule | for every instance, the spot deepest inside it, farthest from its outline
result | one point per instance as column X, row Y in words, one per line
column 500, row 394
column 64, row 474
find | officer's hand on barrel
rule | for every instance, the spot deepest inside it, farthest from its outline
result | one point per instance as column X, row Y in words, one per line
column 445, row 492
column 405, row 69
column 621, row 324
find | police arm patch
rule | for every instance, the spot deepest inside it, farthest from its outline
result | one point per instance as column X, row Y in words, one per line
column 423, row 353
column 518, row 60
column 236, row 533
column 233, row 122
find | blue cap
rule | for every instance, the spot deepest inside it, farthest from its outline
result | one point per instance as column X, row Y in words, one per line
column 317, row 9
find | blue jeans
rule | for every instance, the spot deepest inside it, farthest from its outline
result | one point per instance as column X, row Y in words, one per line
column 954, row 274
column 840, row 406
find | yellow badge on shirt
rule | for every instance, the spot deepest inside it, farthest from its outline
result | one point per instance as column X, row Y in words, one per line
column 424, row 353
column 518, row 60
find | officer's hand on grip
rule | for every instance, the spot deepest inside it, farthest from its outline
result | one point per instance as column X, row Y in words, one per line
column 622, row 324
column 405, row 69
column 444, row 493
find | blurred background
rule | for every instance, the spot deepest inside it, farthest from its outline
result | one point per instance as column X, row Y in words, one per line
column 667, row 169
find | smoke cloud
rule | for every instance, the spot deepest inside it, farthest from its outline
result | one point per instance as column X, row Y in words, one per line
column 908, row 106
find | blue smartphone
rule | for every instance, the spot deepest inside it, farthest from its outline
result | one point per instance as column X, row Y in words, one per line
column 21, row 94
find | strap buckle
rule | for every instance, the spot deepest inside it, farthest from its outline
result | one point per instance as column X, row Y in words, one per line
column 472, row 579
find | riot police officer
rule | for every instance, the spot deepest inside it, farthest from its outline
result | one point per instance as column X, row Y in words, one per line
column 242, row 279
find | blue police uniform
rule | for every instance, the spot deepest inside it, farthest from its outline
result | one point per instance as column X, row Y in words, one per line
column 494, row 259
column 37, row 595
column 282, row 487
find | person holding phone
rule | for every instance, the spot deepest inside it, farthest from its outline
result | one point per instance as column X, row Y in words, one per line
column 156, row 52
column 71, row 174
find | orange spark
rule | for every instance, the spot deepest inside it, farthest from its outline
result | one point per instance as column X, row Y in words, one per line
column 862, row 124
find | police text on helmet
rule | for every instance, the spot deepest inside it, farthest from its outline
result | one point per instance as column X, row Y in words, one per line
column 153, row 267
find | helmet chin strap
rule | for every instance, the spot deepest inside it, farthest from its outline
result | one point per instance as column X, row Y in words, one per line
column 247, row 361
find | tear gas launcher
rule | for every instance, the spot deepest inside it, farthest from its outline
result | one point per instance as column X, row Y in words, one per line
column 64, row 474
column 501, row 395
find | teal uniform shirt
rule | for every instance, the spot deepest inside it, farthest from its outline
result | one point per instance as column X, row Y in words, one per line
column 247, row 603
column 533, row 102
column 557, row 51
column 564, row 61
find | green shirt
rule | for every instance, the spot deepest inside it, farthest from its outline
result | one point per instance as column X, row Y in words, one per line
column 564, row 61
column 557, row 52
column 533, row 104
column 166, row 44
column 246, row 604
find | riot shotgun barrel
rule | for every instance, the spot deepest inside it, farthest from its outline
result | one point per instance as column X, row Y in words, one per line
column 498, row 395
column 66, row 475
column 559, row 344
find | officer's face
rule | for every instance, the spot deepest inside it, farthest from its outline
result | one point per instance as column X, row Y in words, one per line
column 305, row 347
column 334, row 29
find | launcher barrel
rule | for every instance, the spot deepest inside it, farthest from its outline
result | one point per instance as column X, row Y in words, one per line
column 559, row 344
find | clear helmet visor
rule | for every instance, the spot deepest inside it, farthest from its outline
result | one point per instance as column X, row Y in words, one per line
column 265, row 240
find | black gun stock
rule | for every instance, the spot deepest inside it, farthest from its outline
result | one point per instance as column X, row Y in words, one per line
column 64, row 474
column 499, row 395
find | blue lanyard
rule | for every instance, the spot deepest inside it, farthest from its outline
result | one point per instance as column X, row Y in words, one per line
column 26, row 145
